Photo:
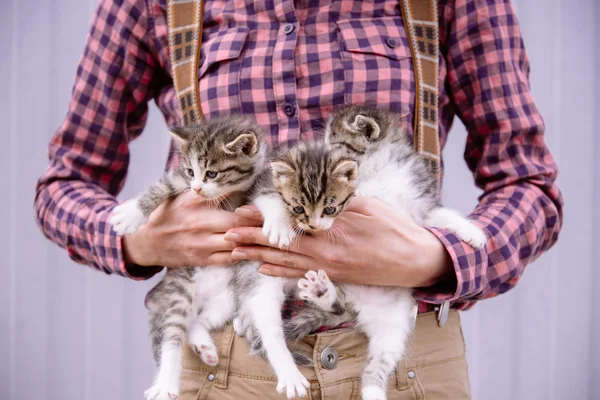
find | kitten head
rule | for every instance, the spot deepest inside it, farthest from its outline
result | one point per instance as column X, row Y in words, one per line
column 221, row 156
column 315, row 183
column 360, row 130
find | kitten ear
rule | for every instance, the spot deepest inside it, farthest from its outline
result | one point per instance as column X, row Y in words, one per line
column 246, row 143
column 346, row 170
column 366, row 126
column 281, row 170
column 182, row 134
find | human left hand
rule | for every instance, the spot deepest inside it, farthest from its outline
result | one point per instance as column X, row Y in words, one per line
column 370, row 243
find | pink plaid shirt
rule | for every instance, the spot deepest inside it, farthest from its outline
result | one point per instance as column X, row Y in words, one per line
column 288, row 64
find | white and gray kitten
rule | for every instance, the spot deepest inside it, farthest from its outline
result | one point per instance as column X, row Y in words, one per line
column 219, row 158
column 390, row 170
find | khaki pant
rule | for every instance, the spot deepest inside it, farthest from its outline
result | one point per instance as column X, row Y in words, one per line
column 434, row 368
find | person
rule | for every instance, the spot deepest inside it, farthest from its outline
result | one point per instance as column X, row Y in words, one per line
column 287, row 65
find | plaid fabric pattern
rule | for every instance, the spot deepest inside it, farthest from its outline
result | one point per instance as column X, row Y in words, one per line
column 288, row 65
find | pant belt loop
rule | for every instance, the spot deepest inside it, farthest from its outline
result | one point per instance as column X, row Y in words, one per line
column 401, row 376
column 224, row 357
column 442, row 313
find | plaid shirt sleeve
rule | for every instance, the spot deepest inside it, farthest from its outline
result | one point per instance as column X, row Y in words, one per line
column 89, row 152
column 521, row 207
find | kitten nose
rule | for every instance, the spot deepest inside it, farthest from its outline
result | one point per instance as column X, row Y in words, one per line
column 197, row 190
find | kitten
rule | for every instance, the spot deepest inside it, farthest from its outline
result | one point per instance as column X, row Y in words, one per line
column 222, row 157
column 390, row 170
column 260, row 298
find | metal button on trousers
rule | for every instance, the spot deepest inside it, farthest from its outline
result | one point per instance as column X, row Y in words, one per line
column 329, row 358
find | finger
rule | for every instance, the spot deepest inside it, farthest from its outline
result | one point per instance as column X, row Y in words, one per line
column 219, row 221
column 247, row 235
column 280, row 271
column 217, row 242
column 250, row 235
column 361, row 205
column 273, row 256
column 220, row 258
column 249, row 211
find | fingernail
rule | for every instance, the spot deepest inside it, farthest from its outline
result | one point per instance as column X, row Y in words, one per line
column 265, row 271
column 232, row 237
column 238, row 255
column 244, row 212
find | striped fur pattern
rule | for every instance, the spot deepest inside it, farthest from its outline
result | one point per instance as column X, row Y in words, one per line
column 289, row 202
column 388, row 169
column 221, row 157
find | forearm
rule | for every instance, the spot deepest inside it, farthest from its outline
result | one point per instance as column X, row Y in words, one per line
column 521, row 221
column 74, row 215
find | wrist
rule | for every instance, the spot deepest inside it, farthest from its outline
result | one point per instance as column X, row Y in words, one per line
column 133, row 251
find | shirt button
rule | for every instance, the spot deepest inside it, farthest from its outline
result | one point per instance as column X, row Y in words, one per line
column 329, row 358
column 211, row 377
column 288, row 28
column 289, row 109
column 411, row 374
column 391, row 42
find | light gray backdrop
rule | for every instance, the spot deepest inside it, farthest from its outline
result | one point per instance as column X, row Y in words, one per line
column 70, row 333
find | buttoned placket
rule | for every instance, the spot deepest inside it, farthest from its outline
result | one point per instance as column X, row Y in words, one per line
column 284, row 74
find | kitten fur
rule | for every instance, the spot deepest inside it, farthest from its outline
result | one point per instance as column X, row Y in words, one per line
column 311, row 179
column 390, row 170
column 218, row 158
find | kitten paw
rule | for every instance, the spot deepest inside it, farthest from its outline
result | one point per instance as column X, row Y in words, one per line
column 207, row 352
column 318, row 289
column 280, row 233
column 127, row 218
column 373, row 393
column 292, row 383
column 474, row 236
column 238, row 327
column 159, row 393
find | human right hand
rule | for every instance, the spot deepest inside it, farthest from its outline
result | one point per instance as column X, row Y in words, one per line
column 184, row 232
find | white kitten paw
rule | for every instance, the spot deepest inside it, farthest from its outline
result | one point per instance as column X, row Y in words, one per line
column 292, row 383
column 318, row 289
column 159, row 393
column 126, row 218
column 238, row 327
column 279, row 232
column 373, row 393
column 207, row 352
column 474, row 236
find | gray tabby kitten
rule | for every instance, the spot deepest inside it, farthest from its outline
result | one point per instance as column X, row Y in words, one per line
column 220, row 157
column 391, row 171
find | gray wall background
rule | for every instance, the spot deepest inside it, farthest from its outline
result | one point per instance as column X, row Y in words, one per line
column 71, row 333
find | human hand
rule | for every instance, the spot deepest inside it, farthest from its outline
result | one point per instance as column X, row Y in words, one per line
column 182, row 232
column 370, row 243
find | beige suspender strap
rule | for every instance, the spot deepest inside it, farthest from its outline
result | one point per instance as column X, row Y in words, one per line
column 185, row 18
column 421, row 22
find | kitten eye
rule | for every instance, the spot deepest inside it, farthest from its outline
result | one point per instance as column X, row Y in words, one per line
column 298, row 209
column 211, row 174
column 329, row 210
column 190, row 172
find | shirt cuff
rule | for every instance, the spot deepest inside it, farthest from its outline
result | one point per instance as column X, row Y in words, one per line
column 109, row 251
column 468, row 277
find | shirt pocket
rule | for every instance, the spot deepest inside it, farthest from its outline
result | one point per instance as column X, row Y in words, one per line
column 219, row 72
column 378, row 64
